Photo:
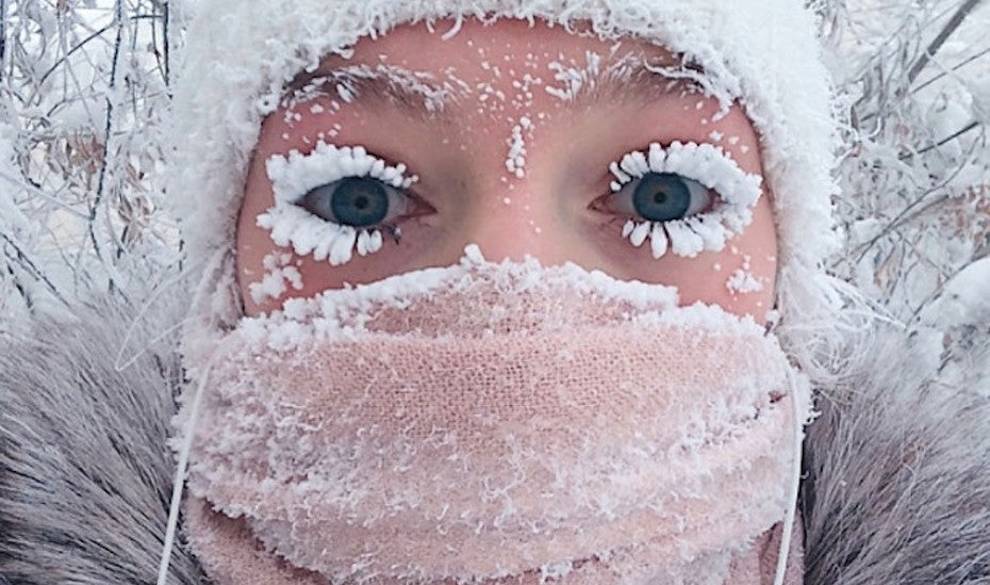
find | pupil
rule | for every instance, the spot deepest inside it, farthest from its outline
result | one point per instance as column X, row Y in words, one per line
column 662, row 197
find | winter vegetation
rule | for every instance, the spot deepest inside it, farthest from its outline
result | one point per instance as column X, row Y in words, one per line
column 85, row 91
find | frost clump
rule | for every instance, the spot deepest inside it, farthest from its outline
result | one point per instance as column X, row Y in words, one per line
column 515, row 162
column 278, row 273
column 743, row 281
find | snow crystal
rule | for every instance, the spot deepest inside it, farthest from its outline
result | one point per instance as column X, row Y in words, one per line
column 743, row 281
column 278, row 273
column 572, row 79
column 515, row 160
column 348, row 81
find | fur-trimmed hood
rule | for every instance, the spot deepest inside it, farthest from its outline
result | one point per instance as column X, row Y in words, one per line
column 896, row 486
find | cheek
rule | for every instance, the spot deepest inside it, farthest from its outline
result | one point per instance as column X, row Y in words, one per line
column 741, row 278
column 269, row 274
column 253, row 244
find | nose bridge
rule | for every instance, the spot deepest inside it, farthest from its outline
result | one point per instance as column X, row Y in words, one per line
column 520, row 222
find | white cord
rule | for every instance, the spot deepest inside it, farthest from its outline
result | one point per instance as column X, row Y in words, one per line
column 180, row 475
column 794, row 488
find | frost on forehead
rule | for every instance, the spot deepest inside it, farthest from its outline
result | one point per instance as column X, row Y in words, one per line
column 562, row 76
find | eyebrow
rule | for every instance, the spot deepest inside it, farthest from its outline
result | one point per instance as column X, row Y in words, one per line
column 414, row 92
column 419, row 94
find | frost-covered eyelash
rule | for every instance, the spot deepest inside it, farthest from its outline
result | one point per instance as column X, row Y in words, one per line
column 708, row 165
column 294, row 176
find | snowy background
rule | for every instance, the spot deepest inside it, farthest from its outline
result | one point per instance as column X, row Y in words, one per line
column 85, row 89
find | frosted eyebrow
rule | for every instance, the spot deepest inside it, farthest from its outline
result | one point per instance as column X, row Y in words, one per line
column 639, row 82
column 419, row 94
column 415, row 93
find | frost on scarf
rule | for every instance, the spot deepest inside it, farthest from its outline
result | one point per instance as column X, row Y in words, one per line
column 486, row 420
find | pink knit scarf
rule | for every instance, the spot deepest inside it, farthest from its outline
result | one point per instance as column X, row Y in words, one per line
column 494, row 424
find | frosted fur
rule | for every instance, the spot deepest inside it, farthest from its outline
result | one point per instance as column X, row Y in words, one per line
column 896, row 484
column 762, row 51
column 708, row 165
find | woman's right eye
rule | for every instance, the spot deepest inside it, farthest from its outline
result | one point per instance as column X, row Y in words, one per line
column 335, row 201
column 359, row 202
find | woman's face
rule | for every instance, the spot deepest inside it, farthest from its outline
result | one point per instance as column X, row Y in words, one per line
column 510, row 131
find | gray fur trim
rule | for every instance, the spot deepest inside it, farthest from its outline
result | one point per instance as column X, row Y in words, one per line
column 897, row 486
column 85, row 476
column 897, row 483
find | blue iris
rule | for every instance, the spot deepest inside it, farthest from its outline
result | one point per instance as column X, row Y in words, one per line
column 353, row 201
column 662, row 197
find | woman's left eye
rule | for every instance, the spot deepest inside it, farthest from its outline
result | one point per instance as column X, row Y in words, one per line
column 686, row 198
column 658, row 197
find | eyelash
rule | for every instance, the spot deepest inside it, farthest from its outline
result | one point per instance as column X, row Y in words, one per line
column 704, row 165
column 294, row 222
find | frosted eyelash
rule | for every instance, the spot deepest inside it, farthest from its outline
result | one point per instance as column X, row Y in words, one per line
column 294, row 176
column 708, row 165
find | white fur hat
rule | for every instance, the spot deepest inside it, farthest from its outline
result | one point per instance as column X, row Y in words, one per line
column 764, row 53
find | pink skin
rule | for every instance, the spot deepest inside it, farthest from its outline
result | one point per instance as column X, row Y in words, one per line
column 463, row 178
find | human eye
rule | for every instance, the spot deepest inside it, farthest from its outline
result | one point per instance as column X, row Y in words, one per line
column 685, row 198
column 337, row 200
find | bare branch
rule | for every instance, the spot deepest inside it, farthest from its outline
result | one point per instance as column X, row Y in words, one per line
column 108, row 128
column 957, row 19
column 3, row 35
column 25, row 261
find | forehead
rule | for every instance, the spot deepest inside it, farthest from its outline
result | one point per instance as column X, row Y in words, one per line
column 501, row 43
column 505, row 61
